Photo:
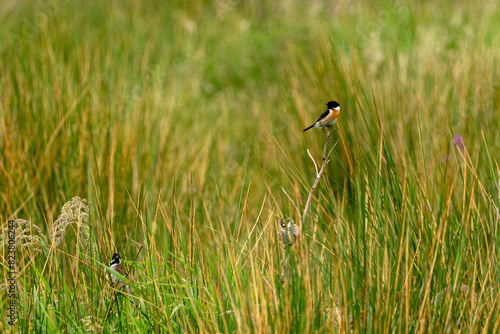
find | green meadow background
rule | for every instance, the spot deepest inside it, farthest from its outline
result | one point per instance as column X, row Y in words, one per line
column 180, row 124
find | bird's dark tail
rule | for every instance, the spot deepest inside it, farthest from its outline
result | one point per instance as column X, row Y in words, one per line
column 312, row 126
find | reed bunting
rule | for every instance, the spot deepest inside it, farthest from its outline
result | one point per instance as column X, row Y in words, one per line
column 116, row 265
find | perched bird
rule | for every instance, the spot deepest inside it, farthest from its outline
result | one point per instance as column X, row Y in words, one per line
column 116, row 265
column 328, row 117
column 288, row 233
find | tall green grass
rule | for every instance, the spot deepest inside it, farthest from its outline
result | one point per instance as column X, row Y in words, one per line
column 181, row 123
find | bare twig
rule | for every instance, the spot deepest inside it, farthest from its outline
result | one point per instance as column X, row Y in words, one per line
column 285, row 267
column 318, row 174
column 286, row 229
column 314, row 162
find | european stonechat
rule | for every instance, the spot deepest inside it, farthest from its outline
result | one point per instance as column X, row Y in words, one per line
column 116, row 265
column 328, row 117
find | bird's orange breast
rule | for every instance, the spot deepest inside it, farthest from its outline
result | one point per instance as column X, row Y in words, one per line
column 331, row 116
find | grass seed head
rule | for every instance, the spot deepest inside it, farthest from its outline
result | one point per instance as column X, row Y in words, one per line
column 76, row 212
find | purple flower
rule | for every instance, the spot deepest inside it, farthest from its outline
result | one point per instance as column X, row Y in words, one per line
column 459, row 142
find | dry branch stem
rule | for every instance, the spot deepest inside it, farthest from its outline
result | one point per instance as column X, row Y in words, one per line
column 284, row 270
column 314, row 162
column 318, row 174
column 285, row 267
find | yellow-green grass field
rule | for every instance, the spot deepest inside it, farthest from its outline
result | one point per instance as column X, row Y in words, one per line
column 173, row 133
